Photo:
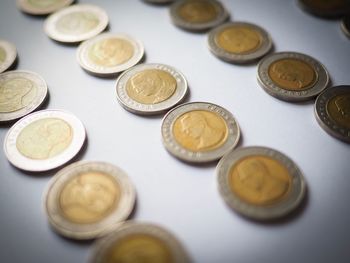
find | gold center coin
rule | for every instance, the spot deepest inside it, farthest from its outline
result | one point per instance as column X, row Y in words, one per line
column 77, row 23
column 197, row 11
column 43, row 3
column 338, row 108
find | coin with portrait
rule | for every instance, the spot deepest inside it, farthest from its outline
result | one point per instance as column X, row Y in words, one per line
column 8, row 55
column 42, row 7
column 326, row 8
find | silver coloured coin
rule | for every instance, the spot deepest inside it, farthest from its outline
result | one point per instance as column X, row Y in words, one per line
column 8, row 55
column 40, row 7
column 152, row 90
column 44, row 140
column 327, row 9
column 256, row 170
column 21, row 92
column 345, row 25
column 199, row 132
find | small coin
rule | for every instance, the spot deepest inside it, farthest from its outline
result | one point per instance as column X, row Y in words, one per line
column 21, row 92
column 198, row 15
column 326, row 8
column 139, row 242
column 8, row 55
column 150, row 88
column 239, row 42
column 42, row 7
column 292, row 76
column 332, row 110
column 76, row 23
column 44, row 140
column 345, row 25
column 86, row 199
column 108, row 54
column 199, row 132
column 260, row 183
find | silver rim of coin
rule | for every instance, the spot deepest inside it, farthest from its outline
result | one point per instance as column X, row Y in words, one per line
column 184, row 154
column 148, row 109
column 11, row 55
column 223, row 15
column 51, row 23
column 288, row 95
column 322, row 13
column 324, row 119
column 40, row 96
column 88, row 231
column 275, row 211
column 88, row 65
column 344, row 27
column 28, row 8
column 179, row 254
column 265, row 47
column 36, row 165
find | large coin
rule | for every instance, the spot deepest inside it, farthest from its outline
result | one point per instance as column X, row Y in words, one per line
column 42, row 7
column 139, row 242
column 44, row 140
column 76, row 23
column 87, row 199
column 345, row 25
column 21, row 92
column 150, row 88
column 8, row 55
column 260, row 183
column 326, row 8
column 292, row 76
column 239, row 42
column 199, row 132
column 332, row 109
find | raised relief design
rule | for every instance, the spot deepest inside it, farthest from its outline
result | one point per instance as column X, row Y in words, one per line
column 77, row 23
column 197, row 11
column 339, row 110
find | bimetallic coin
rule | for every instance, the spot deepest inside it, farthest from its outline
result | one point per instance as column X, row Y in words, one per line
column 139, row 242
column 86, row 200
column 199, row 132
column 292, row 76
column 8, row 55
column 260, row 183
column 326, row 8
column 44, row 140
column 150, row 88
column 21, row 92
column 76, row 23
column 345, row 25
column 109, row 54
column 198, row 15
column 332, row 109
column 42, row 7
column 239, row 42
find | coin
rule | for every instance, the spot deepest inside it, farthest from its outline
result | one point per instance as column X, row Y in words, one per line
column 44, row 140
column 42, row 7
column 199, row 132
column 76, row 23
column 139, row 242
column 345, row 26
column 239, row 42
column 260, row 183
column 8, row 55
column 21, row 92
column 108, row 54
column 86, row 199
column 198, row 15
column 326, row 8
column 332, row 110
column 292, row 76
column 150, row 88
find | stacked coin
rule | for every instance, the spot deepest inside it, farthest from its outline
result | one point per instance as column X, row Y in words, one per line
column 345, row 25
column 42, row 7
column 324, row 8
column 8, row 55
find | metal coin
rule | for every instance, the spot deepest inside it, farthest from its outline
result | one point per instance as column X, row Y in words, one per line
column 326, row 8
column 150, row 88
column 260, row 183
column 86, row 199
column 21, row 92
column 8, row 55
column 292, row 76
column 199, row 132
column 44, row 140
column 42, row 7
column 345, row 26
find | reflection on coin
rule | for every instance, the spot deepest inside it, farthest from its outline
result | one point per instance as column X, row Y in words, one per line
column 44, row 140
column 326, row 8
column 332, row 109
column 8, row 55
column 199, row 132
column 239, row 42
column 86, row 199
column 292, row 76
column 198, row 15
column 345, row 25
column 76, row 23
column 108, row 54
column 21, row 92
column 42, row 7
column 150, row 88
column 260, row 183
column 139, row 242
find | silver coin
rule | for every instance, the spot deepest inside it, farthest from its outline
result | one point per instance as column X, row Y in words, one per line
column 332, row 110
column 328, row 9
column 44, row 140
column 8, row 55
column 198, row 15
column 42, row 7
column 109, row 54
column 21, row 92
column 199, row 132
column 76, row 23
column 150, row 88
column 86, row 200
column 260, row 183
column 292, row 76
column 345, row 25
column 239, row 42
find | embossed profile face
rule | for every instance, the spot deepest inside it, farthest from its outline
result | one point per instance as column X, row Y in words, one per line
column 2, row 55
column 43, row 3
column 198, row 11
column 77, row 23
column 338, row 108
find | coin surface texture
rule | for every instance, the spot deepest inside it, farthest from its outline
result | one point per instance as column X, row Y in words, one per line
column 8, row 55
column 42, row 7
column 345, row 25
column 326, row 8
